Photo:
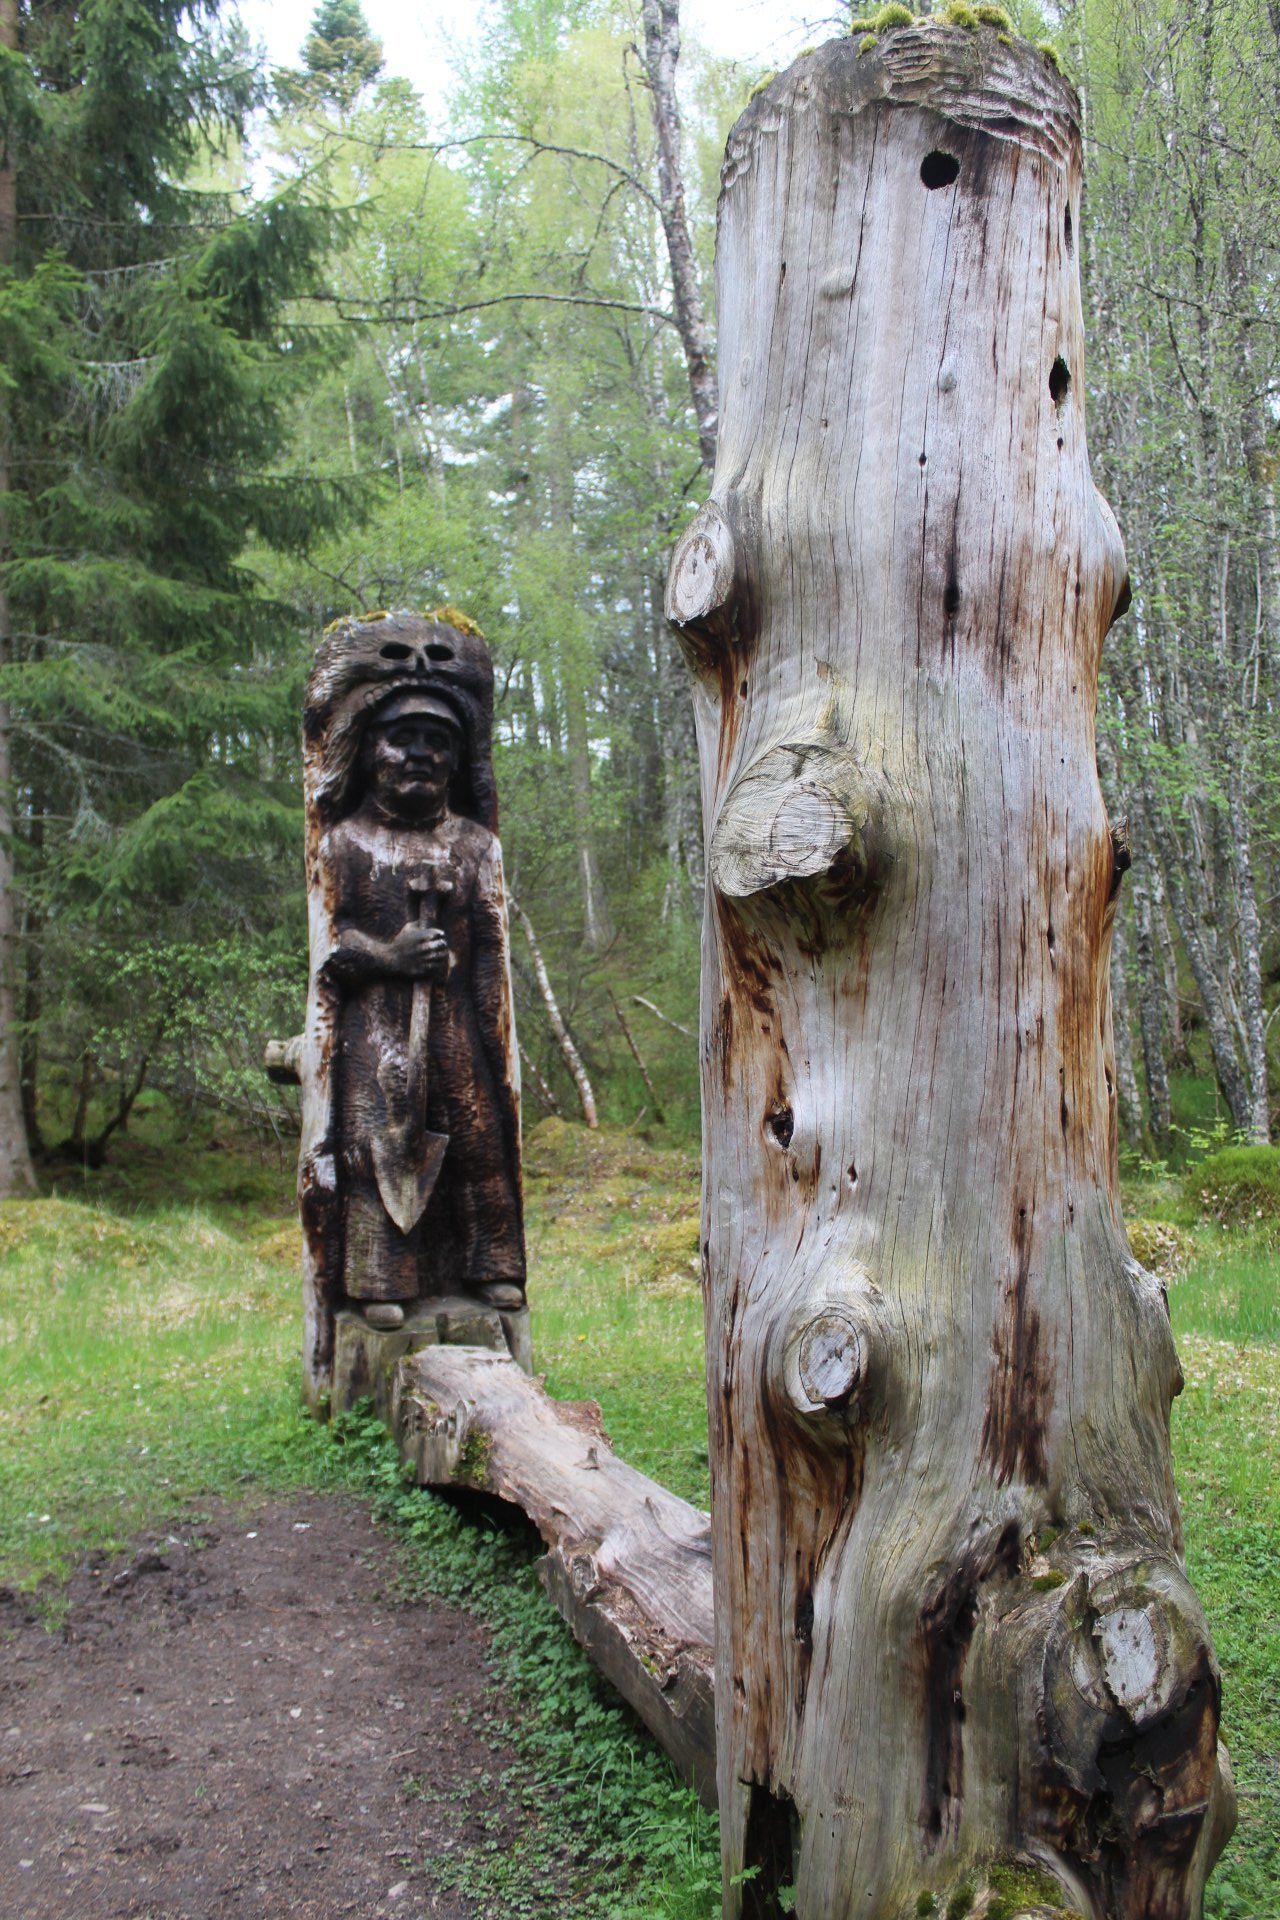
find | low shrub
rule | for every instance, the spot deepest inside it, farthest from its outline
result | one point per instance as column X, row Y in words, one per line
column 1240, row 1186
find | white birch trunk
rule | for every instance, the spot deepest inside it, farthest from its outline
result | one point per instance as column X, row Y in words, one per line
column 954, row 1632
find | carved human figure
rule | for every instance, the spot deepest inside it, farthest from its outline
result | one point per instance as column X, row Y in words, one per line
column 410, row 1168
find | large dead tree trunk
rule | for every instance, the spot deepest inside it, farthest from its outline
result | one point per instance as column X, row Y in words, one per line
column 955, row 1640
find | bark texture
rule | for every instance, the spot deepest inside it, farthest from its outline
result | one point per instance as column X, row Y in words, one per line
column 954, row 1632
column 627, row 1563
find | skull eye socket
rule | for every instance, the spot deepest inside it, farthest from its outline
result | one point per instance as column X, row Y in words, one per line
column 396, row 650
column 437, row 652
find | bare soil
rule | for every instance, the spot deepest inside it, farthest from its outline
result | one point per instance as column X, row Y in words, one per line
column 242, row 1719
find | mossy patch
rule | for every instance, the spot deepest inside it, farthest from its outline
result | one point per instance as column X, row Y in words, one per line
column 762, row 84
column 960, row 1905
column 1013, row 1888
column 1159, row 1246
column 473, row 1460
column 1047, row 1582
column 892, row 15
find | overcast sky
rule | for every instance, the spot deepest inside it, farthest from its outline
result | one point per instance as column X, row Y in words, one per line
column 416, row 34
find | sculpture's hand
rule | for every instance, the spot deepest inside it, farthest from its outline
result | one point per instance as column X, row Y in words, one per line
column 420, row 953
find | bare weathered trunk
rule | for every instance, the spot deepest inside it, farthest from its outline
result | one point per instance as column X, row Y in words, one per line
column 16, row 1172
column 661, row 56
column 954, row 1631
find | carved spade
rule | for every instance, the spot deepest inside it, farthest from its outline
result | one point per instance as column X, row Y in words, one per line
column 406, row 1156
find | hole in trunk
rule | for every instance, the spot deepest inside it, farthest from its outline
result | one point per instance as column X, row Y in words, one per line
column 951, row 599
column 437, row 652
column 939, row 169
column 769, row 1847
column 804, row 1616
column 782, row 1124
column 1068, row 233
column 1059, row 381
column 395, row 650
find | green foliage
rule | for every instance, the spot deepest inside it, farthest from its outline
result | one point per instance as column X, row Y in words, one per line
column 154, row 366
column 1237, row 1185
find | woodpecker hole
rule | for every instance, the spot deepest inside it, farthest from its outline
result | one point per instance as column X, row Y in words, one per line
column 1059, row 381
column 1068, row 232
column 782, row 1124
column 939, row 169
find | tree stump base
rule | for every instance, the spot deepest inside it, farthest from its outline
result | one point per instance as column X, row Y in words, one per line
column 365, row 1358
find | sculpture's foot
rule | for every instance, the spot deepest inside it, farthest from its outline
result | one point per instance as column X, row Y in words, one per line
column 503, row 1294
column 385, row 1315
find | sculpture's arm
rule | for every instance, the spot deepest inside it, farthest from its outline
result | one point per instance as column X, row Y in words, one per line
column 416, row 953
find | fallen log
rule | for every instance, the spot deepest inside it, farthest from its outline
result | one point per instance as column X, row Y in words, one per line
column 628, row 1564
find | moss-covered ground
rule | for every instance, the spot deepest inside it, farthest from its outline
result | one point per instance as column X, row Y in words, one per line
column 148, row 1340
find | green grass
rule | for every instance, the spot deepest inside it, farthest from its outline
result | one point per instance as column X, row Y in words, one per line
column 148, row 1342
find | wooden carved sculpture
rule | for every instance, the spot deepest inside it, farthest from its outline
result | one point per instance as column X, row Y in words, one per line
column 959, row 1665
column 410, row 1168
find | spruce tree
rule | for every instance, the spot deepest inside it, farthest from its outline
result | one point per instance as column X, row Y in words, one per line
column 341, row 56
column 149, row 383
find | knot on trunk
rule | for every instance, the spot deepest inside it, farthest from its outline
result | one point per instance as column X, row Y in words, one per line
column 831, row 1354
column 803, row 811
column 1131, row 1698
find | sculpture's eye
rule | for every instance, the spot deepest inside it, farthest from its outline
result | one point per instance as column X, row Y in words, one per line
column 396, row 650
column 438, row 652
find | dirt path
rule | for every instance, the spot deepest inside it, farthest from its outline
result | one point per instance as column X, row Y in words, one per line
column 227, row 1724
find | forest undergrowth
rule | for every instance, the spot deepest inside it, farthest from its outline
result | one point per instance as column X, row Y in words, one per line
column 148, row 1335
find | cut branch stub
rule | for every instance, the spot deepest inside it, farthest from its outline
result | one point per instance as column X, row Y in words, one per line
column 953, row 1627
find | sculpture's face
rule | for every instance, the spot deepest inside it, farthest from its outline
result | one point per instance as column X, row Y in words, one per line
column 413, row 757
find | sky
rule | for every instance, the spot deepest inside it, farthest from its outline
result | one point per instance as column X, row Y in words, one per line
column 416, row 34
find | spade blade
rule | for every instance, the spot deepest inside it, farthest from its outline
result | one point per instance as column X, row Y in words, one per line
column 406, row 1162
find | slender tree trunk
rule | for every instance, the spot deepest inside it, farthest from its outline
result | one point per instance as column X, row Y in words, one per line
column 540, row 1086
column 1179, row 1056
column 16, row 1172
column 1122, row 1019
column 564, row 1039
column 639, row 1059
column 1150, row 993
column 661, row 56
column 597, row 922
column 574, row 666
column 32, row 991
column 953, row 1625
